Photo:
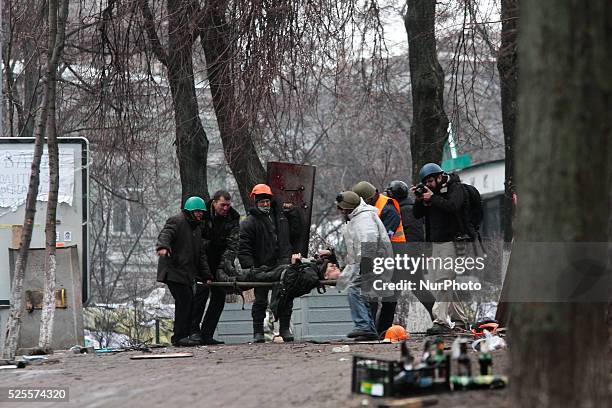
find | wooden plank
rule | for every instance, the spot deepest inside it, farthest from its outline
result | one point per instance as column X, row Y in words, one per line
column 16, row 231
column 294, row 184
column 161, row 355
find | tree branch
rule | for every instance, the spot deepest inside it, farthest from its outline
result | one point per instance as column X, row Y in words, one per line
column 149, row 23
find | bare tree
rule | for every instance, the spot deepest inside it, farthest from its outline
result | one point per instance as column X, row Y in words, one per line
column 177, row 56
column 218, row 41
column 429, row 121
column 57, row 31
column 16, row 308
column 564, row 94
column 23, row 55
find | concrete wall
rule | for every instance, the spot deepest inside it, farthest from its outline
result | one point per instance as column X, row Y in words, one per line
column 315, row 317
column 68, row 323
column 4, row 312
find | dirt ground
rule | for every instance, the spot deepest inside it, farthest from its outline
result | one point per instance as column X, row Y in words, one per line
column 246, row 375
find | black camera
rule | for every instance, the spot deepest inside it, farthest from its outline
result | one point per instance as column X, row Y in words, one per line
column 420, row 189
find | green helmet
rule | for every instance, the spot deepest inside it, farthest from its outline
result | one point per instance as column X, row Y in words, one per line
column 194, row 204
column 348, row 200
column 364, row 190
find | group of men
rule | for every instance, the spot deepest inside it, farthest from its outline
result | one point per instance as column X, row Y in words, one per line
column 200, row 245
column 395, row 221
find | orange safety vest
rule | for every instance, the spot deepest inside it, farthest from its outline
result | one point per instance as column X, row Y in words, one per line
column 398, row 236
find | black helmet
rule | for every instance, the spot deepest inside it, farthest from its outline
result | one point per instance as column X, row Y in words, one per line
column 397, row 189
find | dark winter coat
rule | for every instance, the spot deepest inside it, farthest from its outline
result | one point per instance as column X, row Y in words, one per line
column 414, row 229
column 444, row 212
column 222, row 234
column 265, row 239
column 187, row 262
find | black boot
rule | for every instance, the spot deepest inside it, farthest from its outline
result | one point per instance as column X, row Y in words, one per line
column 196, row 337
column 258, row 333
column 210, row 341
column 186, row 342
column 284, row 331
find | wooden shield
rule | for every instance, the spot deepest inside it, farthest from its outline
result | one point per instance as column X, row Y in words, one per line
column 294, row 183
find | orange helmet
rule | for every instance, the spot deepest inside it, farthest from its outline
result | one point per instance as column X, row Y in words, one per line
column 396, row 333
column 480, row 327
column 260, row 189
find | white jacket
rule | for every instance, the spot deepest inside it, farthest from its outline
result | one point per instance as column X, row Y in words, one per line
column 364, row 235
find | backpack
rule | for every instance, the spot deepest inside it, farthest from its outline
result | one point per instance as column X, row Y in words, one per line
column 296, row 280
column 474, row 212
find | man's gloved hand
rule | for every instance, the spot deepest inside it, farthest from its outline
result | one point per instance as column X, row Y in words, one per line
column 222, row 276
column 229, row 268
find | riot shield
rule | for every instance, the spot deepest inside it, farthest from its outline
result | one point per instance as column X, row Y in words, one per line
column 294, row 183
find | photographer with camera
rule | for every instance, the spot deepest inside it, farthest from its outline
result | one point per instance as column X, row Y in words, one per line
column 414, row 231
column 441, row 199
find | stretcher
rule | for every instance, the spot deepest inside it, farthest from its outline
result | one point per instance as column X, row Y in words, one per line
column 246, row 285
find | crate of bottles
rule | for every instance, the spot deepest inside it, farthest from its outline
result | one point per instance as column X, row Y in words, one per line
column 431, row 373
column 389, row 378
column 373, row 376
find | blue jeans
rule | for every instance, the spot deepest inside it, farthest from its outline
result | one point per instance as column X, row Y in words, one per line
column 360, row 311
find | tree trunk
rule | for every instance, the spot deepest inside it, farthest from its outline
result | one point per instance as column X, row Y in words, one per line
column 24, row 26
column 57, row 29
column 191, row 140
column 563, row 156
column 31, row 97
column 507, row 65
column 428, row 130
column 239, row 149
column 13, row 324
column 610, row 265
